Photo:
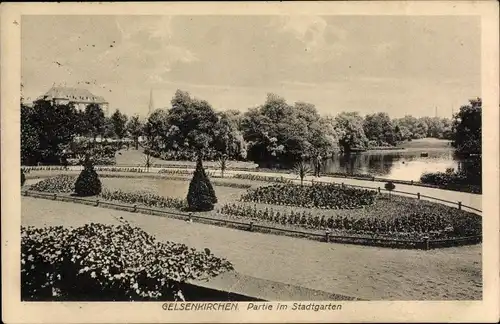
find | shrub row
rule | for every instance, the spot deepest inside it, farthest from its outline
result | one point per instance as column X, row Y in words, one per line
column 185, row 172
column 326, row 196
column 108, row 262
column 107, row 169
column 256, row 177
column 44, row 168
column 350, row 175
column 413, row 225
column 450, row 180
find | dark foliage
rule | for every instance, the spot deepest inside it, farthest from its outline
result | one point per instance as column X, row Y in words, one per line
column 201, row 194
column 88, row 183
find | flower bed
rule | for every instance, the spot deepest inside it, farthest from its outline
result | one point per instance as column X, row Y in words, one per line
column 107, row 262
column 326, row 196
column 413, row 223
column 144, row 198
column 59, row 184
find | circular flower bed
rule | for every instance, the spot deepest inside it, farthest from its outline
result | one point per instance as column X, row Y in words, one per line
column 328, row 196
column 107, row 262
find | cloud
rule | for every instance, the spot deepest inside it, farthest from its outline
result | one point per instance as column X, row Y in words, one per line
column 322, row 41
column 145, row 50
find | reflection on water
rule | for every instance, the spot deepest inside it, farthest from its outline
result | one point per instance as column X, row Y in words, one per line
column 401, row 165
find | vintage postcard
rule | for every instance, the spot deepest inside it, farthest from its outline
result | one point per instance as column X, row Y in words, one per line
column 250, row 162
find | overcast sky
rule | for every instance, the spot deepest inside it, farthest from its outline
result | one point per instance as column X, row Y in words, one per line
column 400, row 65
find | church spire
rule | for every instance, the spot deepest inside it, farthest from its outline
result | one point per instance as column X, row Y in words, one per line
column 151, row 105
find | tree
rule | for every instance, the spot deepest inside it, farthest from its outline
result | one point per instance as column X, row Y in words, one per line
column 148, row 159
column 119, row 122
column 108, row 128
column 467, row 128
column 380, row 129
column 302, row 170
column 134, row 128
column 88, row 183
column 29, row 136
column 195, row 121
column 94, row 120
column 279, row 134
column 23, row 178
column 46, row 129
column 223, row 164
column 156, row 130
column 349, row 127
column 228, row 139
column 201, row 194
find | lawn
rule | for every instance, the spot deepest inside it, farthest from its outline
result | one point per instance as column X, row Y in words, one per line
column 169, row 188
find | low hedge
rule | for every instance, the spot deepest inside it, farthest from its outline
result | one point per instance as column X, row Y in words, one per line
column 326, row 196
column 256, row 177
column 99, row 262
column 451, row 181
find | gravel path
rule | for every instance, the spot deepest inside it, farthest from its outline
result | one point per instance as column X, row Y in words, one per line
column 364, row 272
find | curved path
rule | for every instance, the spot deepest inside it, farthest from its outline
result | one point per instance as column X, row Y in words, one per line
column 369, row 273
column 467, row 199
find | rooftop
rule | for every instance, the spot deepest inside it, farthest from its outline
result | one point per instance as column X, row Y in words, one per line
column 79, row 95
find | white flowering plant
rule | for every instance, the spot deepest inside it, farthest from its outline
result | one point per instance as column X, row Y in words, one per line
column 98, row 262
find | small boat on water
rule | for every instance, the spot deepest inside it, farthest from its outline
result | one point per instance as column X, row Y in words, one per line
column 424, row 154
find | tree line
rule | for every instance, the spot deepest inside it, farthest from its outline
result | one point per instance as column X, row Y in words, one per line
column 274, row 133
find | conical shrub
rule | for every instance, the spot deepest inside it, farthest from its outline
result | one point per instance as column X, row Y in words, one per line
column 88, row 183
column 201, row 193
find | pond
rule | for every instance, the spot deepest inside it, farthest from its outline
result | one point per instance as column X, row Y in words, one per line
column 408, row 162
column 400, row 165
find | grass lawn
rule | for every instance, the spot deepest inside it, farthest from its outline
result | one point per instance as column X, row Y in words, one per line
column 169, row 188
column 426, row 143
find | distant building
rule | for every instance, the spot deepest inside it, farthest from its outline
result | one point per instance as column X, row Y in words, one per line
column 79, row 97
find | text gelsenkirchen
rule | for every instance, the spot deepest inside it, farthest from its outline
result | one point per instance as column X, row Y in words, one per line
column 200, row 306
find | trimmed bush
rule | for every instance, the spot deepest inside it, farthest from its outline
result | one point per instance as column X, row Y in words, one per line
column 88, row 183
column 98, row 262
column 23, row 178
column 201, row 193
column 59, row 184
